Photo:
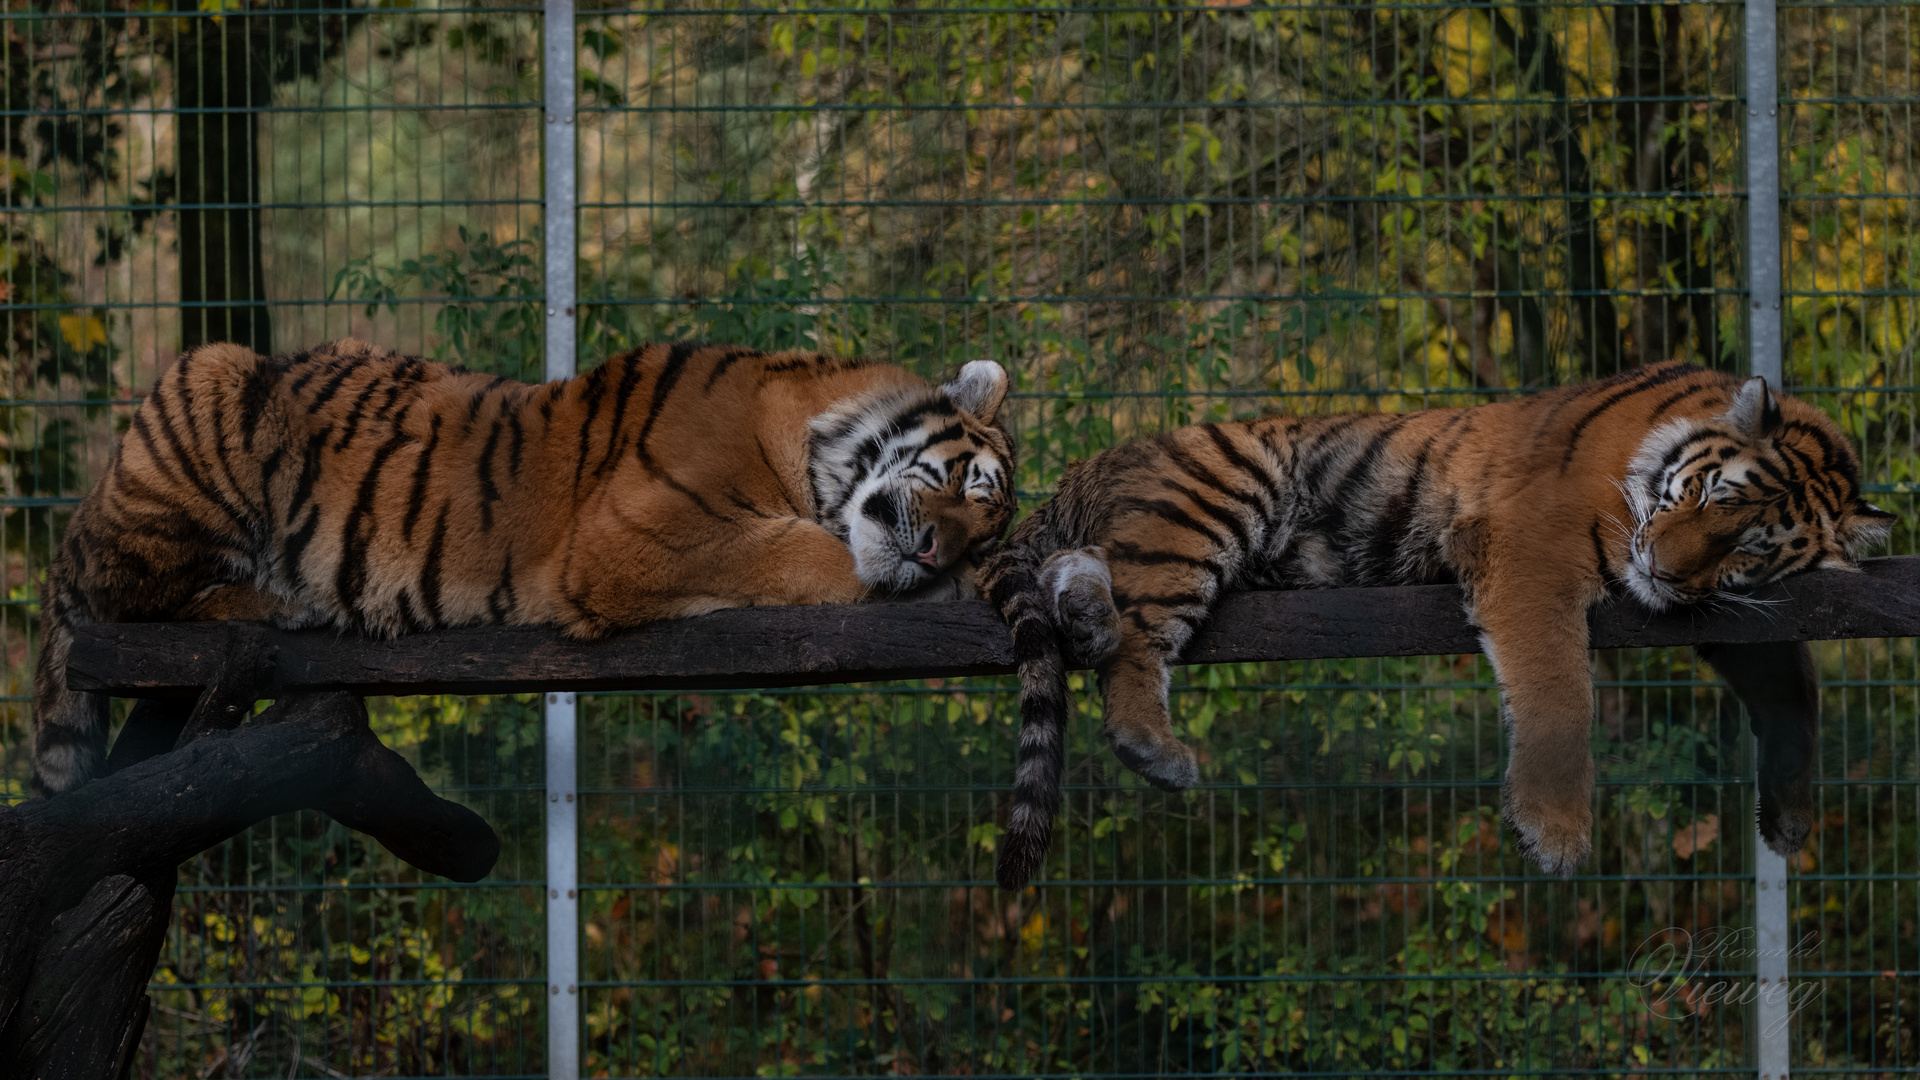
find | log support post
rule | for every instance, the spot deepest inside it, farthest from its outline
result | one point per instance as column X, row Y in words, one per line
column 87, row 878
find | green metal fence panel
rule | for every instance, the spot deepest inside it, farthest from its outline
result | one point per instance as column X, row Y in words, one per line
column 1850, row 74
column 1152, row 214
column 245, row 171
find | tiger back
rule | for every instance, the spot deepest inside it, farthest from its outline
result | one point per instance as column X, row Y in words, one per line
column 351, row 487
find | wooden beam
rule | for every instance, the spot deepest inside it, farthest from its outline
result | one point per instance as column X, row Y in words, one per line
column 801, row 646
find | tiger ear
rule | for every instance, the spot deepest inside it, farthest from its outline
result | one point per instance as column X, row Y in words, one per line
column 1864, row 526
column 1755, row 414
column 979, row 389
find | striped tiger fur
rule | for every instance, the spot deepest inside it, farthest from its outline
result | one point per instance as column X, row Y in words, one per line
column 351, row 487
column 1670, row 483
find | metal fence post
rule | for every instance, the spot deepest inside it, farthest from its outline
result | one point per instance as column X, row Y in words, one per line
column 1763, row 194
column 563, row 904
column 563, row 868
column 1770, row 951
column 1765, row 355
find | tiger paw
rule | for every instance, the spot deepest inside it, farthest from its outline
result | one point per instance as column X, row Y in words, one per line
column 1784, row 813
column 1167, row 764
column 1556, row 839
column 1081, row 587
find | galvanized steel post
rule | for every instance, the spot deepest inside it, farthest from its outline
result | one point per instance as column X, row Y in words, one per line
column 563, row 866
column 1766, row 358
column 1763, row 194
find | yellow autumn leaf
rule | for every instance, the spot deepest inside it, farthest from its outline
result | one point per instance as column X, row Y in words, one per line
column 215, row 6
column 1033, row 934
column 83, row 332
column 666, row 863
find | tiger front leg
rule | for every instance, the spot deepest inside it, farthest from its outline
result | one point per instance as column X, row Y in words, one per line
column 786, row 561
column 962, row 582
column 1539, row 651
column 617, row 580
column 1078, row 586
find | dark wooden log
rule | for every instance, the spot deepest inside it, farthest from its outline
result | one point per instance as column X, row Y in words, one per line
column 153, row 727
column 83, row 1011
column 89, row 976
column 870, row 642
column 241, row 678
column 306, row 751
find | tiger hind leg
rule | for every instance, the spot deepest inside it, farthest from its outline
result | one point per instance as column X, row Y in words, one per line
column 1080, row 586
column 247, row 603
column 1776, row 682
column 1139, row 725
column 1160, row 602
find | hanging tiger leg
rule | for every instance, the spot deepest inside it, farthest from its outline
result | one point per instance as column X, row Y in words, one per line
column 1777, row 683
column 1160, row 601
column 1538, row 644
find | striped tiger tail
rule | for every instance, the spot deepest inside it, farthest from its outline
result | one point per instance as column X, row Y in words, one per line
column 1045, row 704
column 69, row 726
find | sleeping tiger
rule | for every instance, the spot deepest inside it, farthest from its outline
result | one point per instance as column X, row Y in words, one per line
column 1673, row 483
column 351, row 487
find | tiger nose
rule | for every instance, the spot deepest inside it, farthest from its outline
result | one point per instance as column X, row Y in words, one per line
column 929, row 550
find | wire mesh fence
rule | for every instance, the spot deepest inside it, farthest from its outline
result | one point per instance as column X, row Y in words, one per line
column 1152, row 214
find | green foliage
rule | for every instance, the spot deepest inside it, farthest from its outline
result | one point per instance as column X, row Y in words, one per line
column 303, row 942
column 55, row 343
column 796, row 885
column 494, row 320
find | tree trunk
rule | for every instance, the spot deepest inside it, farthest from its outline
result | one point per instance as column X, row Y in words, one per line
column 220, row 79
column 87, row 878
column 87, row 1005
column 1649, row 66
column 1594, row 320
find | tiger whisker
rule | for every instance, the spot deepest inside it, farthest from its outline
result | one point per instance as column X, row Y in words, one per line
column 1618, row 529
column 1636, row 505
column 1746, row 601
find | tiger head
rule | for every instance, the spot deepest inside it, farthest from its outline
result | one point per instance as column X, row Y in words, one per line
column 1730, row 502
column 919, row 482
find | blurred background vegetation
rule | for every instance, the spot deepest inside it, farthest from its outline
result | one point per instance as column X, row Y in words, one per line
column 1151, row 214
